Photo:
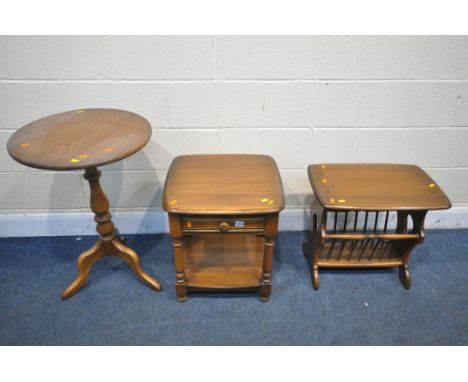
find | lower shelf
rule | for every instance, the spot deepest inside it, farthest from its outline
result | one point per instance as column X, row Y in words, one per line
column 223, row 261
column 367, row 253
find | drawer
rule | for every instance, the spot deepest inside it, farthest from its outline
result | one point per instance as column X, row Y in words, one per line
column 201, row 224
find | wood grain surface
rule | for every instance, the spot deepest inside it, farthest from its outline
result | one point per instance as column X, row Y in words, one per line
column 375, row 187
column 223, row 184
column 79, row 139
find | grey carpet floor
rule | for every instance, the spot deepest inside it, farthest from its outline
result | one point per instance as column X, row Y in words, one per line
column 352, row 307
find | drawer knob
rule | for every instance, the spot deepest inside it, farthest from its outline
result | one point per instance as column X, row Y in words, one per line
column 223, row 227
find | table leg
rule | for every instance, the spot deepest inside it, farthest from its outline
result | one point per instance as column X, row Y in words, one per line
column 85, row 261
column 312, row 247
column 179, row 265
column 181, row 280
column 271, row 231
column 406, row 248
column 313, row 260
column 109, row 242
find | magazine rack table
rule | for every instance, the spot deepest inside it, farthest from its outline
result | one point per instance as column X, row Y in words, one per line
column 364, row 219
column 223, row 217
column 87, row 139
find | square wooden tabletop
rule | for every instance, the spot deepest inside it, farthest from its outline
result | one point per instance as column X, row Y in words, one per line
column 223, row 184
column 375, row 187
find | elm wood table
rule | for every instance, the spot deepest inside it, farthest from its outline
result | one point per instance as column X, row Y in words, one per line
column 364, row 218
column 223, row 217
column 86, row 139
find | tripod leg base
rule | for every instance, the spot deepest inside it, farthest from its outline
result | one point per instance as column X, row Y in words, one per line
column 130, row 256
column 85, row 261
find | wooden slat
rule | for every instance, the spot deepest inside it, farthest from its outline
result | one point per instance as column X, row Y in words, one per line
column 376, row 220
column 343, row 242
column 365, row 222
column 345, row 221
column 386, row 221
column 354, row 244
column 373, row 248
column 356, row 214
column 342, row 246
column 384, row 250
column 365, row 243
column 364, row 263
column 363, row 236
column 331, row 248
column 380, row 256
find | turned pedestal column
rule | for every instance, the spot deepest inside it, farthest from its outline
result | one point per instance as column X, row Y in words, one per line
column 109, row 242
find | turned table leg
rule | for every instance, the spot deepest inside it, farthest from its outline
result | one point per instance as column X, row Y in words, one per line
column 109, row 242
column 179, row 265
column 271, row 230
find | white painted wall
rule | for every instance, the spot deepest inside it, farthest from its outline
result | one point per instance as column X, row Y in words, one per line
column 300, row 99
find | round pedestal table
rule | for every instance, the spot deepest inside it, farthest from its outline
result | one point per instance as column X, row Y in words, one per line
column 85, row 140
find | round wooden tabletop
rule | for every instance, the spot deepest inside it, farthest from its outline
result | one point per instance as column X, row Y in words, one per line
column 79, row 139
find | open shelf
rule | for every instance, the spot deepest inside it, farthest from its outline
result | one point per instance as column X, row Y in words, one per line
column 223, row 261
